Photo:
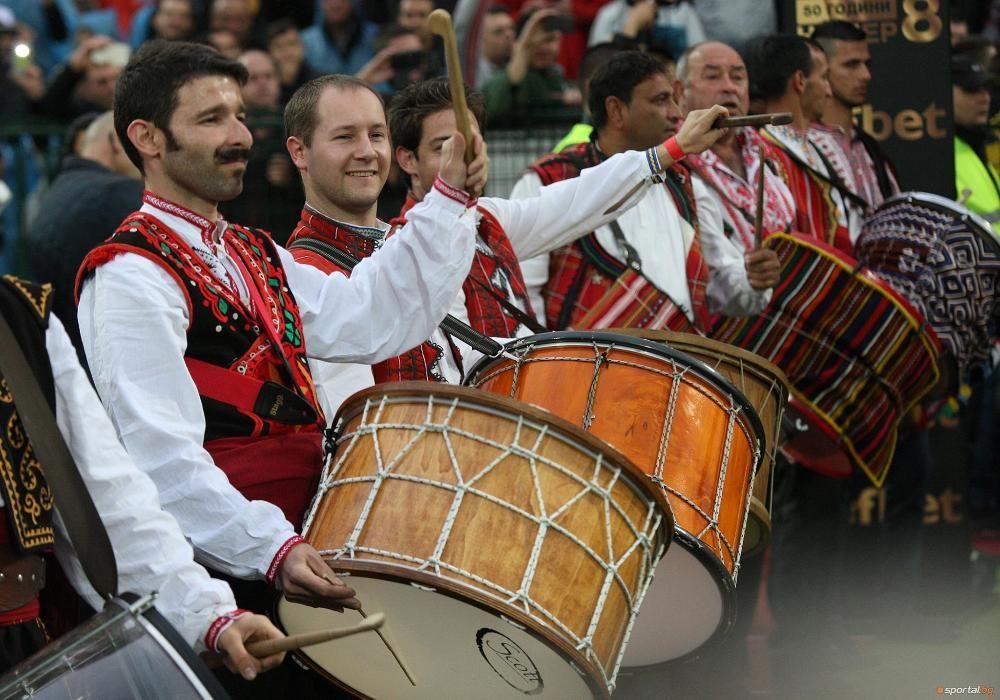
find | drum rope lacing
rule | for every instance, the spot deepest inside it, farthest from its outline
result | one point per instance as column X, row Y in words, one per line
column 724, row 547
column 643, row 539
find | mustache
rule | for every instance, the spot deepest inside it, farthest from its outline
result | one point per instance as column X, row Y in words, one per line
column 232, row 155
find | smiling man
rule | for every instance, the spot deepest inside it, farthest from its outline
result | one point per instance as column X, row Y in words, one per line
column 197, row 332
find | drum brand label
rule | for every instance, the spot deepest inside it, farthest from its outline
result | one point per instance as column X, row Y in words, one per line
column 509, row 661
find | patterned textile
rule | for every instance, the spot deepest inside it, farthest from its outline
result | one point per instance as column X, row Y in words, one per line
column 856, row 354
column 738, row 197
column 631, row 301
column 223, row 330
column 27, row 500
column 945, row 262
column 495, row 272
column 422, row 363
column 817, row 211
column 854, row 164
column 582, row 275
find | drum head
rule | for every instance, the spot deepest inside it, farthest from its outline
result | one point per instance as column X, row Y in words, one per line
column 691, row 601
column 453, row 648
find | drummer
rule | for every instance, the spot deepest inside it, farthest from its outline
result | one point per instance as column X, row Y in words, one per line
column 713, row 73
column 197, row 331
column 340, row 209
column 674, row 237
column 200, row 608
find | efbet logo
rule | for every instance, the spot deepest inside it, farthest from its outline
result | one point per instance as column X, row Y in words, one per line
column 986, row 690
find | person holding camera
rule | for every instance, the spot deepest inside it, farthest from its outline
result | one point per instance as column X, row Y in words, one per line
column 21, row 81
column 87, row 82
column 669, row 25
column 533, row 80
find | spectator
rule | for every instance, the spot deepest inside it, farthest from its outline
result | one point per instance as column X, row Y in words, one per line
column 223, row 41
column 233, row 16
column 976, row 181
column 272, row 195
column 734, row 22
column 284, row 43
column 93, row 192
column 401, row 60
column 413, row 14
column 533, row 79
column 498, row 43
column 172, row 20
column 671, row 26
column 87, row 82
column 21, row 81
column 342, row 42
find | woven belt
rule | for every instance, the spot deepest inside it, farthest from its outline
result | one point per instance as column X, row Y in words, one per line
column 22, row 577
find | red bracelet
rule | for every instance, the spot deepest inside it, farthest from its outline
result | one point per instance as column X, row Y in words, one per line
column 674, row 149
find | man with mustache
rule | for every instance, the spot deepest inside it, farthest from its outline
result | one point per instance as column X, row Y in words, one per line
column 669, row 251
column 197, row 330
column 714, row 73
column 855, row 156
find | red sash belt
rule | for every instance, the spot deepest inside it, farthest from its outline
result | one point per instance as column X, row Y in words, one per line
column 281, row 469
column 269, row 400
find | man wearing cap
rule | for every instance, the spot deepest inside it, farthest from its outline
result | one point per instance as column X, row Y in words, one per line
column 976, row 180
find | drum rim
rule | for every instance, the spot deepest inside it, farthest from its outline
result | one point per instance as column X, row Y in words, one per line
column 638, row 477
column 940, row 203
column 727, row 591
column 582, row 337
column 762, row 516
column 467, row 594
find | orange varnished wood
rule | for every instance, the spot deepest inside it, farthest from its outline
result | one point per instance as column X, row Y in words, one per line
column 631, row 404
column 490, row 541
column 765, row 387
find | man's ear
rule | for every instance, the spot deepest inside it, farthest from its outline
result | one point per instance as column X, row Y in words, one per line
column 297, row 151
column 798, row 81
column 407, row 160
column 147, row 138
column 615, row 109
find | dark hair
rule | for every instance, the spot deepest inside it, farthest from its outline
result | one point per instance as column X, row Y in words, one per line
column 73, row 131
column 497, row 9
column 147, row 88
column 301, row 113
column 618, row 78
column 838, row 29
column 388, row 32
column 773, row 59
column 279, row 27
column 593, row 58
column 416, row 102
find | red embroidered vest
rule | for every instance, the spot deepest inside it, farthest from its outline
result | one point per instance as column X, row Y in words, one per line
column 263, row 421
column 422, row 362
column 582, row 273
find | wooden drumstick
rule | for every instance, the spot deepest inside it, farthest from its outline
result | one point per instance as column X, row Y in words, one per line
column 773, row 118
column 439, row 22
column 381, row 635
column 758, row 221
column 268, row 647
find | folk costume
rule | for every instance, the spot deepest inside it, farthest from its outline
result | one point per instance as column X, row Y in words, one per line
column 494, row 297
column 824, row 206
column 197, row 335
column 858, row 161
column 150, row 550
column 737, row 197
column 665, row 263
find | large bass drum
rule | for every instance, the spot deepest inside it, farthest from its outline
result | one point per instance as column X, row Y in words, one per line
column 125, row 652
column 508, row 550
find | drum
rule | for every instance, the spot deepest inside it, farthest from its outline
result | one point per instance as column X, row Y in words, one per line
column 945, row 261
column 683, row 425
column 857, row 356
column 765, row 387
column 508, row 550
column 127, row 651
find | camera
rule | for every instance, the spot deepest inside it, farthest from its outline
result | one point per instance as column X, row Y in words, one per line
column 558, row 23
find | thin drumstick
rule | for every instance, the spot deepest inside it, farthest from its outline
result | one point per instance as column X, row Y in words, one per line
column 773, row 118
column 439, row 22
column 268, row 647
column 385, row 641
column 758, row 221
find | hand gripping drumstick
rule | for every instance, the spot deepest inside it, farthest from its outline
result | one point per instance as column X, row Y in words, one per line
column 268, row 647
column 439, row 22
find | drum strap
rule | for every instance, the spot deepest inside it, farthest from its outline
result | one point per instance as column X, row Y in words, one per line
column 831, row 179
column 83, row 525
column 450, row 324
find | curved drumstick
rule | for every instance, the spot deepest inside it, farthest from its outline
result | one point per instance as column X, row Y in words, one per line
column 439, row 22
column 267, row 647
